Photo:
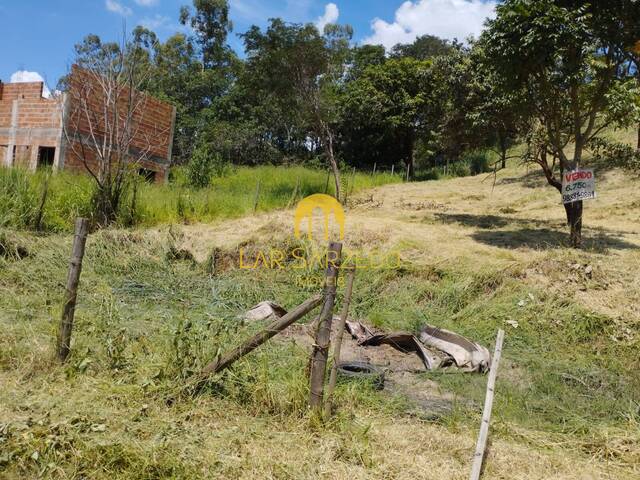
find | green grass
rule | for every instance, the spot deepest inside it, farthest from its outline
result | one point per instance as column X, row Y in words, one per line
column 145, row 323
column 232, row 195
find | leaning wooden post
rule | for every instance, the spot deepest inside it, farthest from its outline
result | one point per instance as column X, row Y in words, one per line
column 257, row 197
column 73, row 278
column 323, row 335
column 486, row 414
column 271, row 330
column 338, row 341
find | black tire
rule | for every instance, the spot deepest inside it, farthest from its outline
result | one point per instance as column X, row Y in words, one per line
column 362, row 371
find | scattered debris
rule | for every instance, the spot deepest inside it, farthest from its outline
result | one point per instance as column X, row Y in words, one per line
column 452, row 348
column 513, row 323
column 467, row 355
column 263, row 311
column 406, row 343
column 363, row 371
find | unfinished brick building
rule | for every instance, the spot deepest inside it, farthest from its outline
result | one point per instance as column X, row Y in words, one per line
column 37, row 131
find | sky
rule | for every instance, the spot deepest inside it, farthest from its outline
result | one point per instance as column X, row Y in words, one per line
column 37, row 36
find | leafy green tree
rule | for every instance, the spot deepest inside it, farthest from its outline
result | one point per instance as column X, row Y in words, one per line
column 397, row 97
column 496, row 115
column 295, row 72
column 424, row 47
column 552, row 50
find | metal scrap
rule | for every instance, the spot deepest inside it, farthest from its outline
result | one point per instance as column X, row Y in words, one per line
column 451, row 348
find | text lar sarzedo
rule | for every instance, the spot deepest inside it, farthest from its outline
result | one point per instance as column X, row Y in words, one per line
column 301, row 259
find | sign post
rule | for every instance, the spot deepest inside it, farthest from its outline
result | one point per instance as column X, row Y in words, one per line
column 578, row 185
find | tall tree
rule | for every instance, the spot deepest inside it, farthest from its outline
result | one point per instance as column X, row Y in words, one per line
column 297, row 70
column 424, row 47
column 551, row 49
column 398, row 97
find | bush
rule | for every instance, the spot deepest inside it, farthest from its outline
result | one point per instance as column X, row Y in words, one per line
column 203, row 166
column 477, row 161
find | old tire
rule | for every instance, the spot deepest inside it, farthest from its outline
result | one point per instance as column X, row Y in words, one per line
column 362, row 371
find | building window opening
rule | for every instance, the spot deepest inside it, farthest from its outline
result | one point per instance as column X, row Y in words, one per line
column 46, row 156
column 148, row 175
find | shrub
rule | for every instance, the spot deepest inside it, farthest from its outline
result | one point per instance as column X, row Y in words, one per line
column 203, row 166
column 477, row 161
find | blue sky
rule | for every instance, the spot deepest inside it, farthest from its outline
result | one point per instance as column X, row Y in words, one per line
column 37, row 36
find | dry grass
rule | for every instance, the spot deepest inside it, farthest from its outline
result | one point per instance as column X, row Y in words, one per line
column 472, row 250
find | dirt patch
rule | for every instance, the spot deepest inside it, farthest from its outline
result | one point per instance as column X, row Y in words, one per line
column 402, row 371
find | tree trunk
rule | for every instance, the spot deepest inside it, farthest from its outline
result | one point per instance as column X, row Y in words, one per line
column 574, row 220
column 503, row 151
column 638, row 147
column 411, row 157
column 332, row 161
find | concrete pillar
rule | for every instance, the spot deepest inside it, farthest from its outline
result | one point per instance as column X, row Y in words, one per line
column 8, row 160
column 33, row 157
column 61, row 147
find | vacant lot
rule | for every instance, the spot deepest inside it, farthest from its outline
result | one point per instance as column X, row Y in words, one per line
column 477, row 255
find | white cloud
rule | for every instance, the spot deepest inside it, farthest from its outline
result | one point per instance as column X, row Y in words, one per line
column 331, row 15
column 443, row 18
column 23, row 76
column 116, row 7
column 156, row 22
column 147, row 3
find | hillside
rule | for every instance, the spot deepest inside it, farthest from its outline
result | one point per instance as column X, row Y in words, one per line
column 478, row 254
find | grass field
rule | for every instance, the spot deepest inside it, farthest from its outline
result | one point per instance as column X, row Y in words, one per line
column 233, row 195
column 477, row 255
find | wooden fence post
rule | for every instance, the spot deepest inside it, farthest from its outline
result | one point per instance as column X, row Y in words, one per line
column 375, row 165
column 320, row 350
column 486, row 413
column 294, row 195
column 271, row 330
column 338, row 345
column 393, row 167
column 257, row 198
column 73, row 278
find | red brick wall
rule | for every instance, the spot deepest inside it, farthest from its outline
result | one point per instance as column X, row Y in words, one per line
column 79, row 160
column 17, row 91
column 152, row 120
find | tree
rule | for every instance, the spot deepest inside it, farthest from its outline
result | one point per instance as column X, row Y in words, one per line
column 496, row 114
column 396, row 97
column 551, row 50
column 424, row 47
column 297, row 70
column 106, row 111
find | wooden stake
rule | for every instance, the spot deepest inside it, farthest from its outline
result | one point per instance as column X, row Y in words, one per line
column 392, row 169
column 257, row 198
column 407, row 172
column 272, row 329
column 338, row 341
column 71, row 293
column 375, row 165
column 295, row 194
column 488, row 405
column 323, row 336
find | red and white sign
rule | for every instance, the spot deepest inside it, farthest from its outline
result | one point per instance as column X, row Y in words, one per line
column 578, row 185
